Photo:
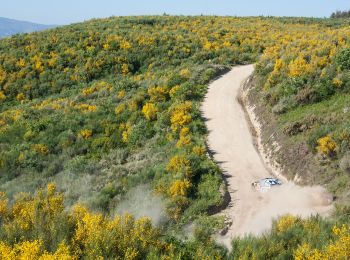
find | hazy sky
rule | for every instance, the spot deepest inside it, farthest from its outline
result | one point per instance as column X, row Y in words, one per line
column 69, row 11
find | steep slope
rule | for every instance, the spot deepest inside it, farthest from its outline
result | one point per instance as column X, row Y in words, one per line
column 9, row 27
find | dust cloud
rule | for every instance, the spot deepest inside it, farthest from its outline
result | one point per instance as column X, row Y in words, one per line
column 142, row 202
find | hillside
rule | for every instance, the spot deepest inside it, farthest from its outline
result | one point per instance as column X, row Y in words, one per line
column 104, row 107
column 10, row 27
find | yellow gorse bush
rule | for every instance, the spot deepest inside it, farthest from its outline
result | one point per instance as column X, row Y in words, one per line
column 299, row 67
column 125, row 45
column 184, row 137
column 41, row 148
column 20, row 97
column 150, row 111
column 179, row 188
column 198, row 150
column 2, row 96
column 286, row 222
column 94, row 235
column 125, row 69
column 85, row 108
column 338, row 249
column 119, row 109
column 326, row 145
column 174, row 90
column 337, row 82
column 85, row 133
column 126, row 131
column 121, row 94
column 102, row 85
column 157, row 94
column 179, row 164
column 180, row 115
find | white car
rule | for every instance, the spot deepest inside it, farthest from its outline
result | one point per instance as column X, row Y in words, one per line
column 265, row 184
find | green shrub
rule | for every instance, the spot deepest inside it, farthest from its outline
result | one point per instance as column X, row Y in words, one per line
column 343, row 59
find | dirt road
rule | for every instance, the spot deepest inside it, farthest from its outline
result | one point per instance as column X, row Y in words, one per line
column 232, row 143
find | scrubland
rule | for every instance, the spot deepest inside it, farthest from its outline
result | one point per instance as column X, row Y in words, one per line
column 101, row 107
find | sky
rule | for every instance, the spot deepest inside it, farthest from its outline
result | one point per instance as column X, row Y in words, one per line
column 61, row 12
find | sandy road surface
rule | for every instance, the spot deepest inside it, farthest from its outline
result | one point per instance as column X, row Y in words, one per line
column 232, row 144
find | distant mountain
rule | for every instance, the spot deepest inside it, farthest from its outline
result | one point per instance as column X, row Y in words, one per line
column 9, row 27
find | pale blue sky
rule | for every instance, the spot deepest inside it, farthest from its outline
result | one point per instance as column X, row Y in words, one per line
column 69, row 11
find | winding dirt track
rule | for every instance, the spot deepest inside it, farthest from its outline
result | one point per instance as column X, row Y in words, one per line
column 231, row 141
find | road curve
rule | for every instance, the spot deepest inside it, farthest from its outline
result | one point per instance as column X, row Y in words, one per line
column 231, row 141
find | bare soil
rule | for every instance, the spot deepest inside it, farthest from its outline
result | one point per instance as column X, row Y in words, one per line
column 243, row 161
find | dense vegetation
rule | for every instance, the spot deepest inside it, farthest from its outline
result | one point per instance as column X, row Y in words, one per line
column 341, row 14
column 101, row 107
column 38, row 227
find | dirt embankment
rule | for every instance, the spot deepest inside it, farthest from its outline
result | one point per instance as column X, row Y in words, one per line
column 241, row 158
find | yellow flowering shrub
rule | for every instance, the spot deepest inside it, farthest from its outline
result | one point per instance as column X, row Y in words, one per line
column 125, row 45
column 338, row 249
column 179, row 188
column 3, row 205
column 198, row 150
column 179, row 164
column 40, row 220
column 184, row 137
column 185, row 73
column 133, row 105
column 53, row 59
column 305, row 252
column 337, row 82
column 126, row 131
column 11, row 115
column 41, row 148
column 226, row 44
column 180, row 115
column 106, row 46
column 85, row 133
column 6, row 252
column 102, row 85
column 130, row 237
column 286, row 222
column 24, row 216
column 174, row 90
column 125, row 69
column 157, row 94
column 25, row 250
column 37, row 63
column 299, row 67
column 2, row 96
column 3, row 75
column 121, row 94
column 279, row 66
column 150, row 111
column 21, row 63
column 326, row 146
column 20, row 97
column 85, row 108
column 211, row 46
column 119, row 109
